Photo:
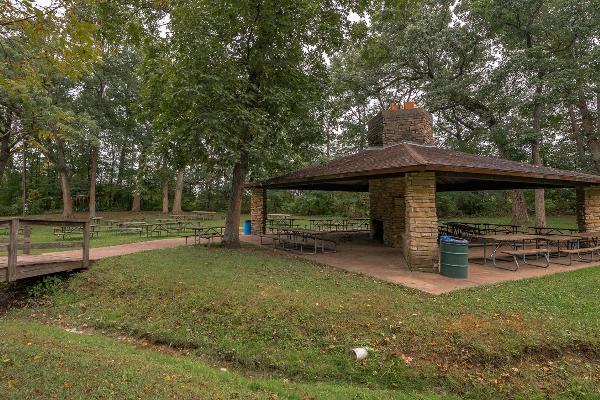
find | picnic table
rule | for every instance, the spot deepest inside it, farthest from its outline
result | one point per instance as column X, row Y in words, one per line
column 166, row 220
column 279, row 216
column 590, row 239
column 67, row 231
column 339, row 225
column 204, row 215
column 131, row 226
column 165, row 225
column 570, row 246
column 206, row 232
column 274, row 224
column 300, row 237
column 516, row 241
column 473, row 229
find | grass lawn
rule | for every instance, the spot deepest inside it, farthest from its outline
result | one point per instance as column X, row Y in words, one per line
column 274, row 317
column 40, row 362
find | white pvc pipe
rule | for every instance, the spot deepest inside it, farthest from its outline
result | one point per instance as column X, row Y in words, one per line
column 359, row 353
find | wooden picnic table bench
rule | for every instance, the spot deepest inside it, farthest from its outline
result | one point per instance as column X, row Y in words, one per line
column 267, row 236
column 523, row 253
column 300, row 238
column 279, row 216
column 131, row 226
column 496, row 241
column 67, row 231
column 579, row 251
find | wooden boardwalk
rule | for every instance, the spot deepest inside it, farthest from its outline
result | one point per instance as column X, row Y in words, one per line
column 16, row 266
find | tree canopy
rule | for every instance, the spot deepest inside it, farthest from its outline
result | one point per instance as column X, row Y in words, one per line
column 110, row 103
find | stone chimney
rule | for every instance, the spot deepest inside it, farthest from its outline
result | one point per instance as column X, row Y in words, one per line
column 396, row 125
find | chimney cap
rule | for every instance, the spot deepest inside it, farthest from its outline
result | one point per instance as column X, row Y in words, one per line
column 394, row 106
column 409, row 105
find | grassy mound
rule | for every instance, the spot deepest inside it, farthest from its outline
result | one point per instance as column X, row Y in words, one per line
column 286, row 318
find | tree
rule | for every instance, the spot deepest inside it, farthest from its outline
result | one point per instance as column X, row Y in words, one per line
column 244, row 83
column 41, row 48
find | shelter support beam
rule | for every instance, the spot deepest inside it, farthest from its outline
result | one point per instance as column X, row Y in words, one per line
column 421, row 230
column 588, row 208
column 258, row 210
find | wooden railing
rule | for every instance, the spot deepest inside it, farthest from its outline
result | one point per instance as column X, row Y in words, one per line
column 13, row 246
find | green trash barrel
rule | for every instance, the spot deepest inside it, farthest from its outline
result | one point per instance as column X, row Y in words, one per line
column 454, row 261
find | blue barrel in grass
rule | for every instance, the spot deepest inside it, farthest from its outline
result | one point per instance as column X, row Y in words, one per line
column 247, row 227
column 454, row 262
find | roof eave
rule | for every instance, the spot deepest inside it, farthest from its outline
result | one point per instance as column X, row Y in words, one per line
column 282, row 182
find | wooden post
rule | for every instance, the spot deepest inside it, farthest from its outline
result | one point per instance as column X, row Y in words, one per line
column 86, row 244
column 13, row 247
column 26, row 239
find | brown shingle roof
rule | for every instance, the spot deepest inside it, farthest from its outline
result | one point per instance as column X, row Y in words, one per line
column 407, row 157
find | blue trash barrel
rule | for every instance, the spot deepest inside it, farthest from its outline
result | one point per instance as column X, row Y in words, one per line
column 247, row 227
column 454, row 261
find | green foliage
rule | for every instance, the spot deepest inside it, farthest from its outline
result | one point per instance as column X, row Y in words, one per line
column 497, row 203
column 352, row 205
column 45, row 286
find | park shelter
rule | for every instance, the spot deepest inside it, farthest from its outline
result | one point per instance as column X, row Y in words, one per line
column 402, row 170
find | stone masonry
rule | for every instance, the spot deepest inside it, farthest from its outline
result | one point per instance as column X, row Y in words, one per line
column 405, row 205
column 391, row 127
column 258, row 210
column 386, row 197
column 588, row 208
column 421, row 230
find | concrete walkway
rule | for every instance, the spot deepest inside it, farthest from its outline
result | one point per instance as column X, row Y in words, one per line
column 367, row 257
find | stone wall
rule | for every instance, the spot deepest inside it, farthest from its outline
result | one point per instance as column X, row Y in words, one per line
column 588, row 208
column 391, row 127
column 258, row 210
column 386, row 198
column 420, row 245
column 406, row 205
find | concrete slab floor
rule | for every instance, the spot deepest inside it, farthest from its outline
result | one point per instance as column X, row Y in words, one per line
column 364, row 256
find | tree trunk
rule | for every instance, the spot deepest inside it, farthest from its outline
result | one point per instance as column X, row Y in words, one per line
column 178, row 193
column 231, row 236
column 165, row 194
column 579, row 140
column 587, row 127
column 65, row 183
column 65, row 187
column 93, row 173
column 136, row 206
column 4, row 148
column 540, row 204
column 536, row 159
column 519, row 208
column 121, row 167
column 25, row 195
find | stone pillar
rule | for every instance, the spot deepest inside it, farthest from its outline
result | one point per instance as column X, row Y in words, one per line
column 258, row 210
column 588, row 208
column 420, row 245
column 386, row 198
